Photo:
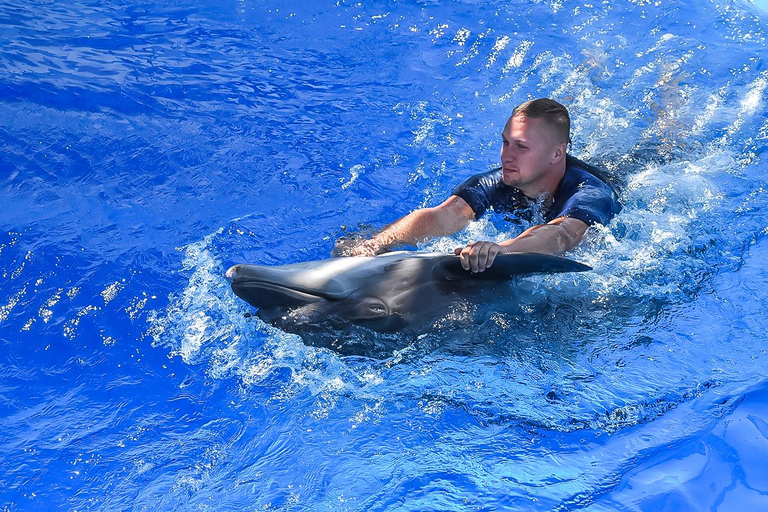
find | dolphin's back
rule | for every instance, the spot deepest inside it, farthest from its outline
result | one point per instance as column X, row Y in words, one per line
column 509, row 265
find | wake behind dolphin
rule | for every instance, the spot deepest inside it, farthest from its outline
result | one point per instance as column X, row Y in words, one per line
column 385, row 293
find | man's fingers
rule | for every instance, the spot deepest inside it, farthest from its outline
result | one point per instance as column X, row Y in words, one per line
column 465, row 256
column 364, row 248
column 478, row 256
column 495, row 251
column 475, row 256
column 485, row 257
column 492, row 252
column 471, row 256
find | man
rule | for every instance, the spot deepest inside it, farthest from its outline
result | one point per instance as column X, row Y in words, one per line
column 535, row 171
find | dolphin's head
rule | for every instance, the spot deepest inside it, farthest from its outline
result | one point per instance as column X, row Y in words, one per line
column 349, row 288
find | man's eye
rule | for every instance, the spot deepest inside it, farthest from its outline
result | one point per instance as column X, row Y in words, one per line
column 522, row 147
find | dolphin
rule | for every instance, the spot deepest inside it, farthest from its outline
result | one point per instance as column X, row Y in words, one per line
column 385, row 293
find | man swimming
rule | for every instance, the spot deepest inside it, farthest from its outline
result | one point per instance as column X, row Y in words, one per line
column 536, row 169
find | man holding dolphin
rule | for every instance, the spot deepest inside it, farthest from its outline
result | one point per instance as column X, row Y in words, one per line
column 536, row 172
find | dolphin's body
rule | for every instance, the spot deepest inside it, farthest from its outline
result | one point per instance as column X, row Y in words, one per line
column 385, row 293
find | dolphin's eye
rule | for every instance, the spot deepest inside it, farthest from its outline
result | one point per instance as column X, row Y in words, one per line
column 372, row 307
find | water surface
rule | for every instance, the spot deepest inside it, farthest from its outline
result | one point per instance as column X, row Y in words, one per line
column 147, row 147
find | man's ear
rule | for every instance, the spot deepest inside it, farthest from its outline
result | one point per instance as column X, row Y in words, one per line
column 559, row 153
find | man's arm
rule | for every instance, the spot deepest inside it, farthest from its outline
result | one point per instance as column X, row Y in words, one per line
column 555, row 237
column 445, row 219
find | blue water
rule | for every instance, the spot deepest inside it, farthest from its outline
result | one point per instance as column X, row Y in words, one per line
column 145, row 147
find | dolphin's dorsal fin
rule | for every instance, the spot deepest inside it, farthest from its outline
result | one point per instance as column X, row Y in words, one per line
column 509, row 265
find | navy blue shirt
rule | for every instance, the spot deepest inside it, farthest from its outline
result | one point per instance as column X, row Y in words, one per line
column 581, row 194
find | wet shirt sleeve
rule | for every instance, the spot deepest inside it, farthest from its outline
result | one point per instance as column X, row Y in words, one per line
column 478, row 191
column 583, row 196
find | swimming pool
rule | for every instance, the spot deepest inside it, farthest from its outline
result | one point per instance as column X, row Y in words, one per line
column 146, row 147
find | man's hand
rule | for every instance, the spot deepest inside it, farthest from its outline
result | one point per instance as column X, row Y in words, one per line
column 356, row 247
column 478, row 256
column 367, row 248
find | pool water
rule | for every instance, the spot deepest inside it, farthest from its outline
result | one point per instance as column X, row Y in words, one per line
column 146, row 147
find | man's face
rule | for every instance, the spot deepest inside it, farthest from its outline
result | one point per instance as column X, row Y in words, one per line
column 528, row 147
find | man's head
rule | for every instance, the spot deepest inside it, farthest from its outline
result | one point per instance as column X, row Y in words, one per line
column 554, row 115
column 535, row 139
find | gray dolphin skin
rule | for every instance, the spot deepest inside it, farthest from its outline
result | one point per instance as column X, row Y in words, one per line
column 385, row 293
